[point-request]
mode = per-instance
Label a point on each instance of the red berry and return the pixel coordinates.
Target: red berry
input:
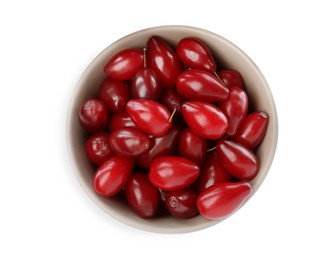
(114, 94)
(195, 54)
(222, 199)
(231, 78)
(146, 84)
(125, 64)
(142, 196)
(252, 130)
(182, 203)
(93, 115)
(120, 120)
(192, 146)
(98, 148)
(235, 108)
(112, 175)
(129, 141)
(173, 173)
(173, 101)
(162, 58)
(200, 85)
(160, 146)
(205, 119)
(212, 172)
(149, 116)
(238, 160)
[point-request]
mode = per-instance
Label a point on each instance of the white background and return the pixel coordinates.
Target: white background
(44, 48)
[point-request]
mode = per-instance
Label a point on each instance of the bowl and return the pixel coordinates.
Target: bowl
(230, 56)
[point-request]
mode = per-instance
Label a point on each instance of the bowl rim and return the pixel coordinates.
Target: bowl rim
(143, 224)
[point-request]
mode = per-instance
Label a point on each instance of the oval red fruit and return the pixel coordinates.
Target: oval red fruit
(205, 119)
(162, 58)
(212, 172)
(192, 146)
(129, 141)
(125, 64)
(231, 78)
(160, 146)
(222, 199)
(114, 93)
(195, 54)
(252, 130)
(172, 100)
(182, 203)
(149, 116)
(112, 175)
(146, 84)
(200, 85)
(235, 108)
(142, 196)
(172, 172)
(119, 120)
(238, 160)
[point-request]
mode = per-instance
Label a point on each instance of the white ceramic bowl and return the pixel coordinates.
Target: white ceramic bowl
(227, 55)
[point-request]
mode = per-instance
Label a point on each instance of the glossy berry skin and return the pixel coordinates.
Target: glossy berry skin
(192, 146)
(235, 108)
(149, 116)
(125, 64)
(142, 196)
(97, 148)
(173, 173)
(162, 58)
(182, 203)
(172, 100)
(112, 175)
(238, 160)
(222, 199)
(160, 146)
(212, 172)
(129, 141)
(252, 130)
(204, 119)
(195, 54)
(200, 85)
(93, 115)
(162, 211)
(231, 78)
(146, 84)
(114, 93)
(120, 120)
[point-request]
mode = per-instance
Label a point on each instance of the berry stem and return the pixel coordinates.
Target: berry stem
(144, 55)
(211, 149)
(217, 76)
(172, 115)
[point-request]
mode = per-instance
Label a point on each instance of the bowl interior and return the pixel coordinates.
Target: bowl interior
(227, 56)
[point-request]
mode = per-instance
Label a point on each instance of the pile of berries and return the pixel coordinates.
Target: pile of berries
(170, 133)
